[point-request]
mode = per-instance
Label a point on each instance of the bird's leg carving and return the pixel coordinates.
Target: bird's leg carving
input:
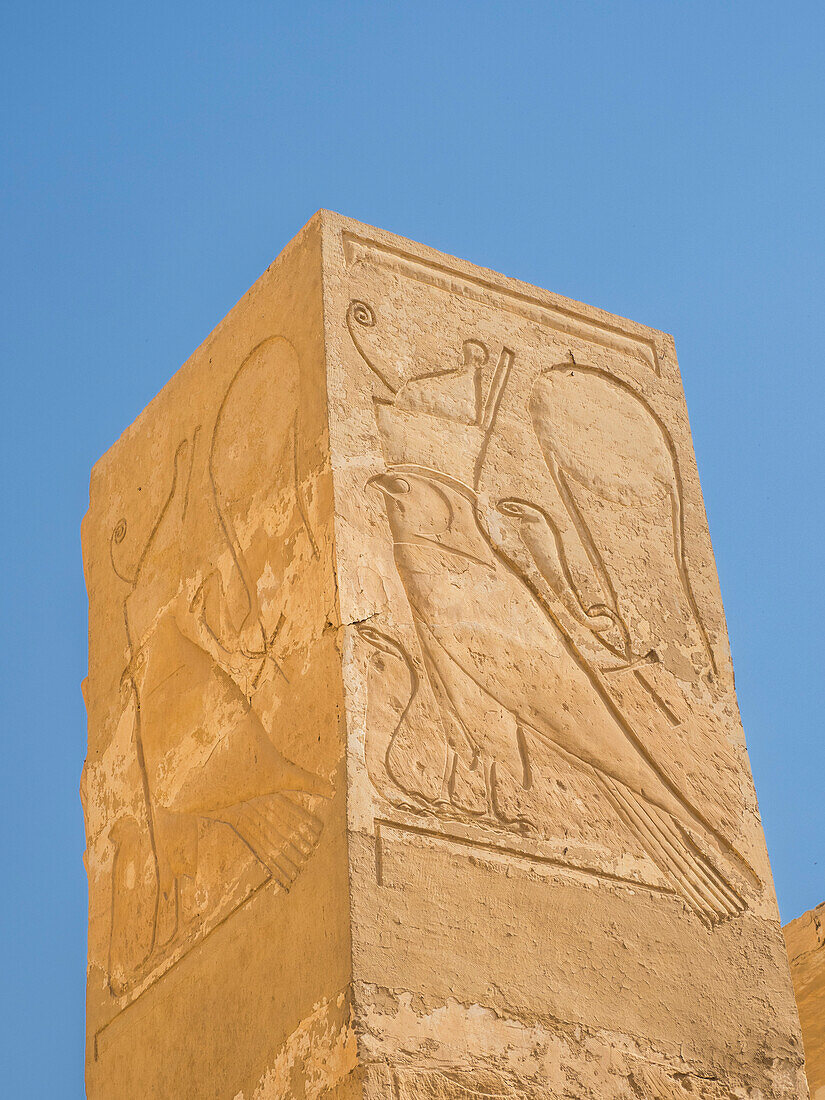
(445, 795)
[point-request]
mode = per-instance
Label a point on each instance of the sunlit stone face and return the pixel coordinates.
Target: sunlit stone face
(415, 767)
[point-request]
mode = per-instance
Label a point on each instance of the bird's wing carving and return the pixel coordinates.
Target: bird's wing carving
(614, 475)
(527, 664)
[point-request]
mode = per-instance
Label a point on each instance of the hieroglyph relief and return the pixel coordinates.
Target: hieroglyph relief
(554, 618)
(205, 613)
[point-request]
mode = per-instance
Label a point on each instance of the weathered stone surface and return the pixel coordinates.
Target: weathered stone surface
(805, 939)
(415, 767)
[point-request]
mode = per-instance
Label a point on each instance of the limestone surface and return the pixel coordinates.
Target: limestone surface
(805, 939)
(415, 768)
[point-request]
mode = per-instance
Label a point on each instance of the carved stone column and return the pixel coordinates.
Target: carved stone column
(805, 940)
(415, 768)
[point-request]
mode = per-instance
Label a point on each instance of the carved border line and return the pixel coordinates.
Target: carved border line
(469, 836)
(557, 317)
(169, 964)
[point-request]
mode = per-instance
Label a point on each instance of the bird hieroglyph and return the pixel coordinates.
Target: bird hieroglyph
(202, 644)
(554, 621)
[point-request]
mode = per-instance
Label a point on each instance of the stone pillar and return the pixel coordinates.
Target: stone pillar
(805, 940)
(415, 768)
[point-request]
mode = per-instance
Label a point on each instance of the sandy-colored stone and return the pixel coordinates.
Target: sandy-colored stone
(805, 940)
(415, 768)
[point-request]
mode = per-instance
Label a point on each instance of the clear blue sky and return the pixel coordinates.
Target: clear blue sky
(663, 160)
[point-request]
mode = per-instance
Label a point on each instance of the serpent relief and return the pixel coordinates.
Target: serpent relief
(552, 621)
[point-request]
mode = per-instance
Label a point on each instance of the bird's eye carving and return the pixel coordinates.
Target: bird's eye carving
(119, 532)
(511, 508)
(397, 486)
